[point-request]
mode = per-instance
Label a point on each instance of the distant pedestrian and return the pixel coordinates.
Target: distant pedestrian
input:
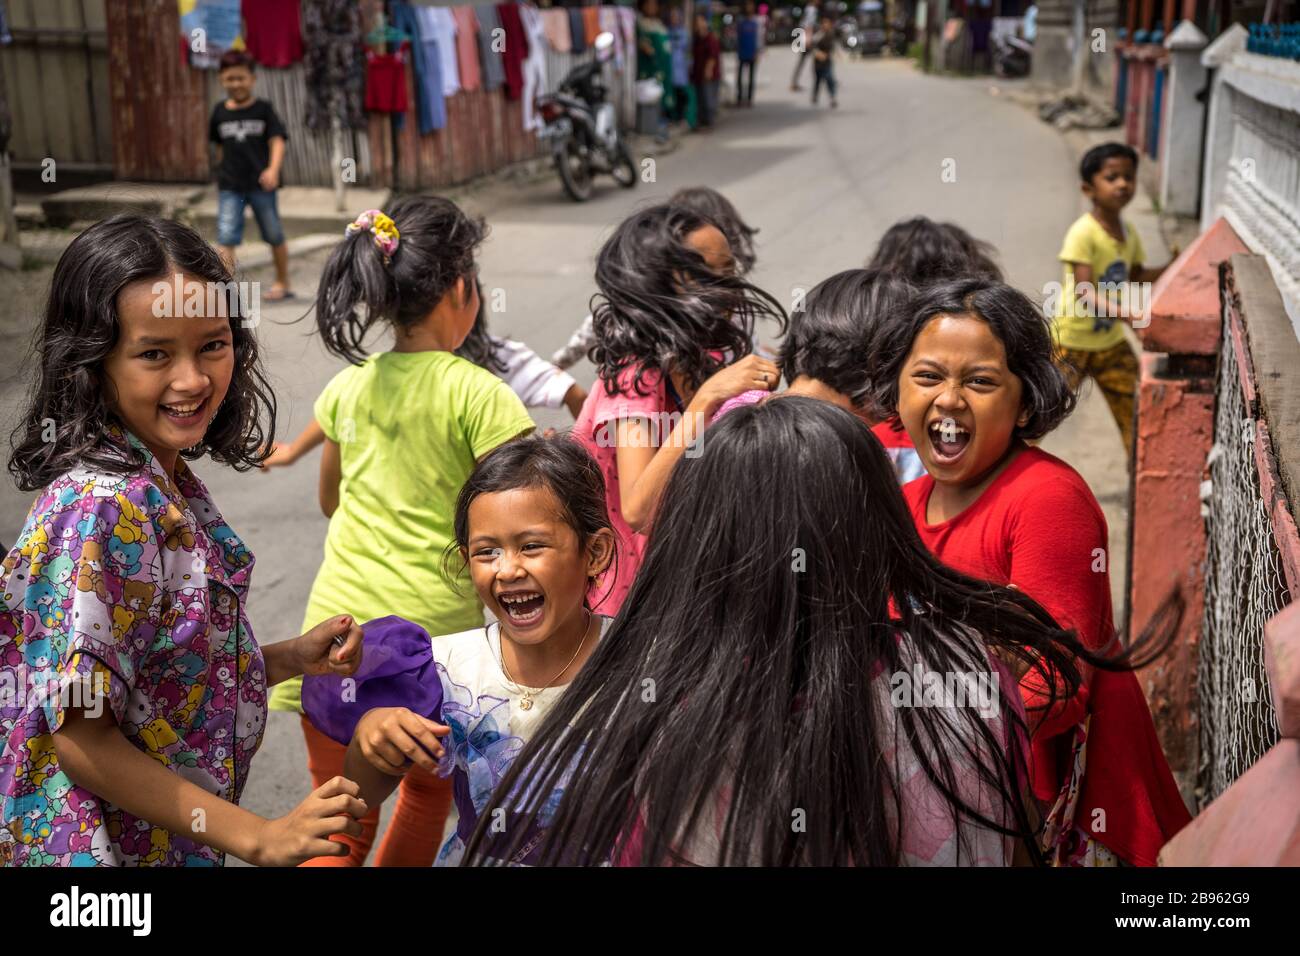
(251, 140)
(706, 72)
(748, 41)
(679, 45)
(824, 60)
(807, 27)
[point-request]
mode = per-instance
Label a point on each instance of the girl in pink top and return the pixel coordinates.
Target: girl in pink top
(794, 679)
(674, 325)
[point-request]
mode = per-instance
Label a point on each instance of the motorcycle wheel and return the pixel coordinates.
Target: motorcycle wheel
(575, 171)
(624, 171)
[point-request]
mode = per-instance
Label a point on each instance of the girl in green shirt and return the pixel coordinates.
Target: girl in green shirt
(403, 430)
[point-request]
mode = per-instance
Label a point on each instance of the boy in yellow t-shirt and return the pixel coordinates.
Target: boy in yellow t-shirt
(1103, 259)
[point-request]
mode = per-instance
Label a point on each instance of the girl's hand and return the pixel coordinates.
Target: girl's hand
(281, 455)
(751, 372)
(318, 651)
(394, 738)
(304, 832)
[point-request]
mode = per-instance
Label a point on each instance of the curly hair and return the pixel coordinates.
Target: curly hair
(831, 338)
(661, 308)
(79, 329)
(924, 251)
(1019, 325)
(436, 248)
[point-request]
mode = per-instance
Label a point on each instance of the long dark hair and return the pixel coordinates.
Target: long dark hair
(758, 621)
(1024, 331)
(922, 251)
(436, 247)
(661, 308)
(80, 328)
(557, 463)
(831, 339)
(718, 209)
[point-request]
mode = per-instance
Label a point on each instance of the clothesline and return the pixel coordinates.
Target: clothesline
(484, 46)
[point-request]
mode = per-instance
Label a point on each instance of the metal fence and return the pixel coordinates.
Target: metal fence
(1244, 580)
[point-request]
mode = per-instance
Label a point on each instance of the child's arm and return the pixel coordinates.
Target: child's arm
(388, 741)
(1086, 294)
(95, 755)
(282, 454)
(270, 177)
(316, 652)
(536, 381)
(331, 473)
(578, 345)
(643, 470)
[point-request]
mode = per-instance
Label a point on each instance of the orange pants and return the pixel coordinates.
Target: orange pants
(414, 834)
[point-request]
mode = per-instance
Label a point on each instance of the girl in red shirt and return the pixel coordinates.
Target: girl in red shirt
(968, 371)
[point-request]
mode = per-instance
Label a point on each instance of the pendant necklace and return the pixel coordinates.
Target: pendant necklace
(526, 694)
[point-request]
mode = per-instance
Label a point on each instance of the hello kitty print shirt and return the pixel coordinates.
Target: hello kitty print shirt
(133, 586)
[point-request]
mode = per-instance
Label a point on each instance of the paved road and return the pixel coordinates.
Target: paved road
(821, 186)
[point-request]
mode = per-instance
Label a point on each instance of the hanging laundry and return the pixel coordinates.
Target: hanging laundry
(515, 50)
(577, 30)
(489, 48)
(335, 66)
(556, 22)
(386, 80)
(609, 23)
(444, 24)
(591, 23)
(467, 47)
(431, 104)
(208, 29)
(273, 31)
(534, 66)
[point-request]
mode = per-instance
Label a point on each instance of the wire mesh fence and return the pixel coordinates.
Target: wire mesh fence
(1244, 587)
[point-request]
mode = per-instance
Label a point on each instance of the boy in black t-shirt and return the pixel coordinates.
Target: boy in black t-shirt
(251, 141)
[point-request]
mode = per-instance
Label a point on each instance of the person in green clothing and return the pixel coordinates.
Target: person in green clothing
(403, 430)
(654, 57)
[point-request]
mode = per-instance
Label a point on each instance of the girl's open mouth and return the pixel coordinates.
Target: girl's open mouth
(948, 440)
(185, 414)
(523, 608)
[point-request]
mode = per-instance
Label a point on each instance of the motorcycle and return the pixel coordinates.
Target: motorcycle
(582, 128)
(1012, 56)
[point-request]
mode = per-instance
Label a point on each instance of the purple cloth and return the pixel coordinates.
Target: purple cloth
(397, 670)
(751, 397)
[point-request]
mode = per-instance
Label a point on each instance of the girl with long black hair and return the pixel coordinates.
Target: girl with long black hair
(793, 678)
(674, 325)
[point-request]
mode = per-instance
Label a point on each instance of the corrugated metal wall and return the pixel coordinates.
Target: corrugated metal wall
(160, 105)
(56, 72)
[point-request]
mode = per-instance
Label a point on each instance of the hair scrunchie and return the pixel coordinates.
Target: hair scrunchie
(383, 228)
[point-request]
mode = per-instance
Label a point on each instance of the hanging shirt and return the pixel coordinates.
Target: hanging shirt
(438, 24)
(515, 51)
(272, 31)
(534, 67)
(556, 22)
(386, 81)
(432, 107)
(609, 23)
(577, 31)
(489, 22)
(467, 47)
(590, 23)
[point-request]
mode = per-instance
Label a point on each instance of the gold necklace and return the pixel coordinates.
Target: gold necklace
(526, 694)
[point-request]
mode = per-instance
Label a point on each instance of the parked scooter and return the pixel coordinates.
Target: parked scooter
(582, 127)
(1012, 56)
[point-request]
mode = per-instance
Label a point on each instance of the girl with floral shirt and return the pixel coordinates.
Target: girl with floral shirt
(132, 691)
